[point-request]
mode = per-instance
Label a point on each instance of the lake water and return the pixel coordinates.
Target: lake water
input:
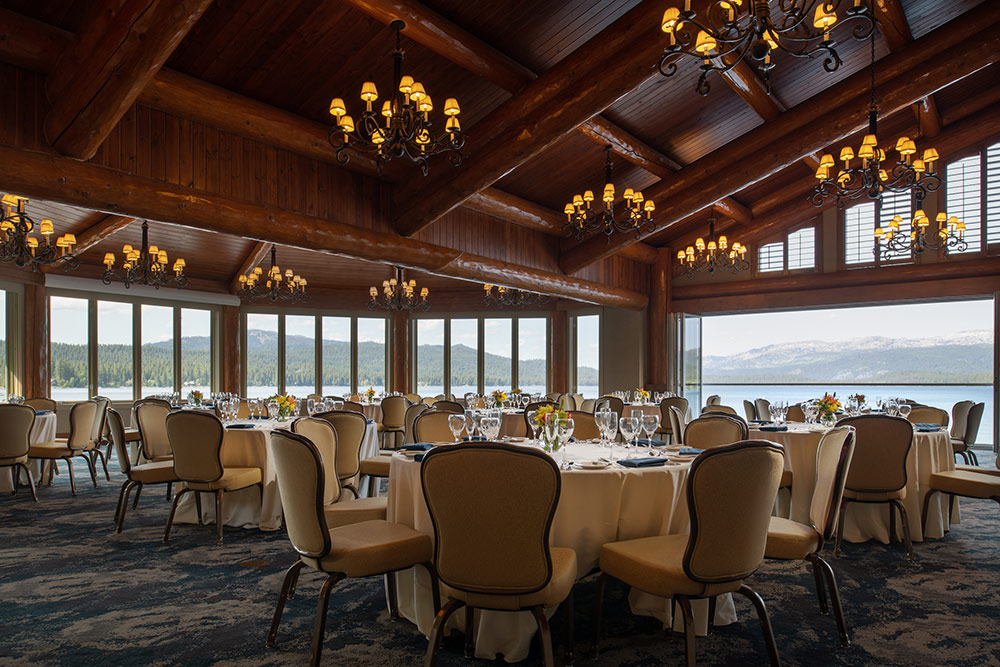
(943, 397)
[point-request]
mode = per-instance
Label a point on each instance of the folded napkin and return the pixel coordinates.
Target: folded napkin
(474, 438)
(761, 421)
(690, 451)
(370, 421)
(652, 442)
(417, 447)
(930, 428)
(240, 426)
(647, 462)
(772, 428)
(420, 456)
(42, 412)
(934, 427)
(261, 417)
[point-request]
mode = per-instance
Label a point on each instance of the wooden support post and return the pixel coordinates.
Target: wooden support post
(36, 341)
(658, 338)
(399, 329)
(231, 344)
(559, 352)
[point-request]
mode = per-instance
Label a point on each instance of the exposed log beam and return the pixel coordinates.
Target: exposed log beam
(971, 105)
(256, 255)
(93, 187)
(99, 231)
(506, 206)
(927, 65)
(106, 67)
(640, 252)
(892, 24)
(928, 117)
(613, 63)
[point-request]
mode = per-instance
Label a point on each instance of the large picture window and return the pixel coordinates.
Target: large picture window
(371, 354)
(464, 357)
(300, 355)
(588, 355)
(157, 334)
(498, 357)
(115, 364)
(430, 357)
(262, 355)
(336, 356)
(69, 349)
(196, 350)
(532, 354)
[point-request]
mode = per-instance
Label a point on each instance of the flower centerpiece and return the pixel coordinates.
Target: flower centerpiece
(195, 397)
(499, 396)
(550, 443)
(641, 395)
(828, 407)
(287, 406)
(370, 394)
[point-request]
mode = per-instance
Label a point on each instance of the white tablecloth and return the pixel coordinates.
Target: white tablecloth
(930, 453)
(595, 507)
(43, 430)
(247, 508)
(373, 411)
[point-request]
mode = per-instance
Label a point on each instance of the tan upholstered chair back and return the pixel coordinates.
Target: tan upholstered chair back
(881, 446)
(412, 413)
(750, 410)
(714, 399)
(454, 407)
(116, 427)
(725, 409)
(322, 434)
(414, 398)
(588, 405)
(584, 425)
(678, 402)
(350, 427)
(928, 415)
(429, 400)
(432, 426)
(731, 492)
(491, 506)
(677, 424)
(81, 424)
(354, 406)
(714, 430)
(100, 419)
(394, 412)
(959, 418)
(577, 401)
(612, 403)
(46, 404)
(762, 406)
(196, 441)
(152, 421)
(553, 396)
(301, 483)
(478, 403)
(972, 423)
(795, 413)
(567, 402)
(159, 401)
(833, 459)
(15, 429)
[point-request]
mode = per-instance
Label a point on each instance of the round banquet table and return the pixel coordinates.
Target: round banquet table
(248, 508)
(930, 453)
(43, 430)
(373, 411)
(595, 507)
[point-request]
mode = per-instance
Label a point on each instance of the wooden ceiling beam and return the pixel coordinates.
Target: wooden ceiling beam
(954, 51)
(512, 208)
(256, 255)
(108, 64)
(100, 231)
(896, 31)
(93, 187)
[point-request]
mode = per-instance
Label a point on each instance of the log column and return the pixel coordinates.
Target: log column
(659, 306)
(559, 352)
(36, 336)
(399, 330)
(232, 357)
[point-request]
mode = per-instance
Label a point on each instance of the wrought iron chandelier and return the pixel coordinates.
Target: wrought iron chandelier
(407, 131)
(147, 265)
(712, 256)
(726, 34)
(273, 287)
(582, 218)
(945, 233)
(397, 294)
(869, 173)
(513, 298)
(17, 244)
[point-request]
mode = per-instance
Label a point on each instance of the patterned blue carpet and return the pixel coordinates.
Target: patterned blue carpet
(75, 593)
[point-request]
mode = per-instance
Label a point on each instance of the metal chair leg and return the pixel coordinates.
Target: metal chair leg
(906, 529)
(546, 635)
(291, 574)
(126, 490)
(689, 639)
(170, 517)
(197, 505)
(320, 625)
(818, 577)
(390, 590)
(470, 631)
(765, 623)
(838, 610)
(138, 491)
(435, 586)
(434, 641)
(598, 608)
(104, 462)
(926, 509)
(218, 520)
(121, 496)
(31, 480)
(840, 527)
(72, 478)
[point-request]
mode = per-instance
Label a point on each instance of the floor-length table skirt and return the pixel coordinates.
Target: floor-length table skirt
(930, 453)
(43, 430)
(253, 507)
(595, 507)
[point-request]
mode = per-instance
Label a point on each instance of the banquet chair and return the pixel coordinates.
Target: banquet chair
(966, 482)
(553, 396)
(612, 403)
(429, 400)
(730, 493)
(479, 534)
(160, 472)
(750, 410)
(354, 406)
(791, 540)
(928, 415)
(412, 413)
(160, 401)
(878, 470)
(714, 399)
(714, 430)
(393, 420)
(959, 418)
(534, 407)
(16, 422)
(351, 428)
(725, 409)
(677, 425)
(584, 425)
(414, 398)
(97, 429)
(795, 413)
(339, 512)
(78, 444)
(151, 417)
(666, 427)
(762, 407)
(196, 441)
(432, 426)
(478, 403)
(588, 405)
(363, 549)
(40, 403)
(353, 397)
(577, 400)
(566, 402)
(963, 444)
(453, 407)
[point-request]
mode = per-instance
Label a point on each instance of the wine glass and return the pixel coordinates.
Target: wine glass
(490, 427)
(904, 410)
(612, 429)
(311, 406)
(629, 426)
(456, 423)
(650, 422)
(566, 427)
(525, 400)
(532, 414)
(272, 409)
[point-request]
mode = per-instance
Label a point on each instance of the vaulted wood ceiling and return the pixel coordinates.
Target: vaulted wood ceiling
(294, 55)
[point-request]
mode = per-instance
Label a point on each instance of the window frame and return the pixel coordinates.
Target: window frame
(876, 260)
(816, 224)
(985, 249)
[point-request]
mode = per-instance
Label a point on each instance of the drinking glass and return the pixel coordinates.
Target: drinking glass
(311, 406)
(612, 426)
(891, 408)
(628, 426)
(272, 409)
(811, 413)
(490, 427)
(904, 410)
(533, 424)
(650, 422)
(456, 423)
(566, 428)
(525, 400)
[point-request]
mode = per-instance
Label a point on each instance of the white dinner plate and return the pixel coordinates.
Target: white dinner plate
(591, 465)
(516, 439)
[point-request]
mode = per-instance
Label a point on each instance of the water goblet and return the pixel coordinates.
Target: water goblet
(566, 427)
(490, 426)
(456, 423)
(629, 426)
(532, 415)
(904, 410)
(650, 422)
(612, 426)
(272, 409)
(311, 406)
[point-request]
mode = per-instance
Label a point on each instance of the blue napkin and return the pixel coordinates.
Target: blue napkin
(240, 426)
(772, 428)
(929, 428)
(934, 427)
(690, 451)
(261, 417)
(648, 462)
(417, 447)
(42, 412)
(370, 421)
(474, 438)
(419, 457)
(652, 442)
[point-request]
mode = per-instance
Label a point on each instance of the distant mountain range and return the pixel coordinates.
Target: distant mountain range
(964, 358)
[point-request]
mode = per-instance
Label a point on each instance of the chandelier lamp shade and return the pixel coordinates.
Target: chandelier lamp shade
(945, 233)
(501, 297)
(20, 246)
(634, 214)
(146, 265)
(398, 294)
(729, 32)
(402, 126)
(715, 255)
(273, 286)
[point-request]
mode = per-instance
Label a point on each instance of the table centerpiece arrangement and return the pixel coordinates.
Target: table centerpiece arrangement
(827, 408)
(285, 406)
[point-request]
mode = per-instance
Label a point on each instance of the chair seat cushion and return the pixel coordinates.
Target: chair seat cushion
(11, 461)
(786, 479)
(958, 445)
(373, 547)
(977, 469)
(132, 435)
(376, 466)
(231, 480)
(655, 565)
(49, 450)
(346, 512)
(966, 483)
(154, 473)
(875, 496)
(790, 540)
(563, 577)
